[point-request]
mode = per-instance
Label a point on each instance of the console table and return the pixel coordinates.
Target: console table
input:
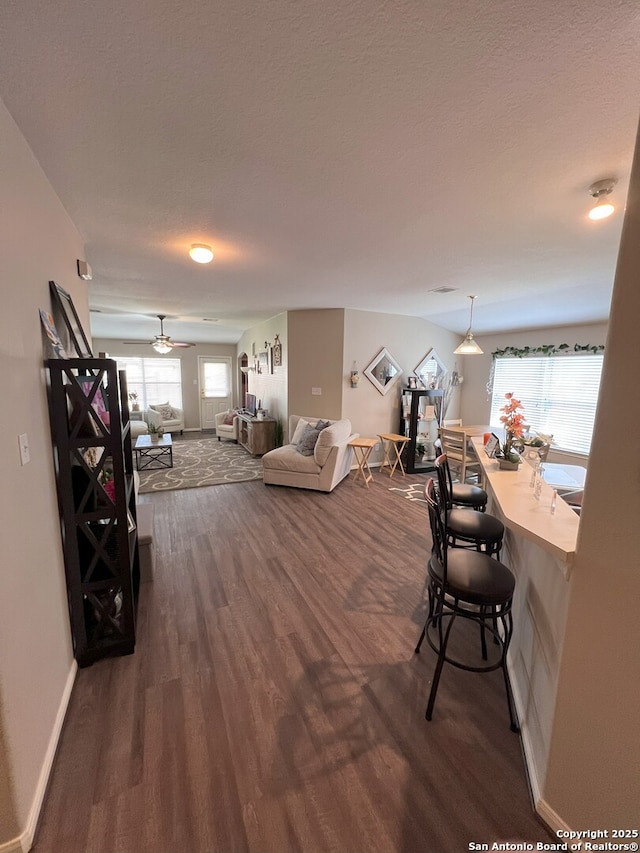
(257, 437)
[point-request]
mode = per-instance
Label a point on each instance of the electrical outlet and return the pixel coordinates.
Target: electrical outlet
(23, 442)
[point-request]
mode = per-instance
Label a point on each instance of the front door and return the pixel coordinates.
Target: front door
(215, 388)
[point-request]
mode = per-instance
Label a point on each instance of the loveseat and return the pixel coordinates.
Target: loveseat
(169, 417)
(227, 425)
(328, 463)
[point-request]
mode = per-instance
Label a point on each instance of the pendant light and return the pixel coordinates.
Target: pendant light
(468, 345)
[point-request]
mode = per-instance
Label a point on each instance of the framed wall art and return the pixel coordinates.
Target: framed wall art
(383, 371)
(64, 309)
(277, 352)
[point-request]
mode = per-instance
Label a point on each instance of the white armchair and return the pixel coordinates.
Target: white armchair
(227, 425)
(169, 417)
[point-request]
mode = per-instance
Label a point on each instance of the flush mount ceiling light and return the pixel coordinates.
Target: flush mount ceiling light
(468, 345)
(601, 191)
(201, 253)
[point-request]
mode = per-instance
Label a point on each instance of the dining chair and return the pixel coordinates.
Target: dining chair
(467, 528)
(461, 460)
(467, 585)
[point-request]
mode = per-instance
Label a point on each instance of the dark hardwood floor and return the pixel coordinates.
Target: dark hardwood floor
(274, 703)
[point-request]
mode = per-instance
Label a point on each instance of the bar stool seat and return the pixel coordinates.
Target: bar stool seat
(466, 494)
(467, 527)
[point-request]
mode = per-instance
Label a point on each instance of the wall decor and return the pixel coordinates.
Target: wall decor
(54, 346)
(430, 370)
(277, 352)
(64, 308)
(383, 371)
(263, 361)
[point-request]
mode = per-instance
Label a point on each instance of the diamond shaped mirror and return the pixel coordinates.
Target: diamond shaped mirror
(430, 370)
(383, 372)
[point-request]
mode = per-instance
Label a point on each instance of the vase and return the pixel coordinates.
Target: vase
(507, 465)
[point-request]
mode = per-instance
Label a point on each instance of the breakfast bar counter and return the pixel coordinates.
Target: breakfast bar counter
(513, 494)
(539, 547)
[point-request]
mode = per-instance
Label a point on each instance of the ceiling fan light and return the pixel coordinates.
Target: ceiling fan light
(201, 253)
(162, 347)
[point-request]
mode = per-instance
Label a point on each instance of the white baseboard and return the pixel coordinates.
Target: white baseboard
(24, 842)
(551, 818)
(541, 807)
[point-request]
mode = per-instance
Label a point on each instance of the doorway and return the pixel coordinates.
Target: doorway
(214, 376)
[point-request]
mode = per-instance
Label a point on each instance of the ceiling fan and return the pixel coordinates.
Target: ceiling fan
(162, 343)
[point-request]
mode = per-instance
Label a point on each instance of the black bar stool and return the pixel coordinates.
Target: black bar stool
(467, 528)
(469, 585)
(465, 494)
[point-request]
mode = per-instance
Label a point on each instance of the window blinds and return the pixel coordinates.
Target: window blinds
(559, 395)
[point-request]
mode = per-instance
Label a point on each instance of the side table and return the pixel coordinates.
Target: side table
(392, 441)
(362, 448)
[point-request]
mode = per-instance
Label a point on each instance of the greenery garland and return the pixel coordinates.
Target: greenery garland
(546, 349)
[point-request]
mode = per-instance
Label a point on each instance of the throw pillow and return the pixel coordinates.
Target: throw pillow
(307, 443)
(229, 419)
(166, 412)
(323, 425)
(300, 427)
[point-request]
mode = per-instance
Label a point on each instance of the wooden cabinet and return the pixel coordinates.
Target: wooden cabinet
(414, 425)
(96, 497)
(258, 437)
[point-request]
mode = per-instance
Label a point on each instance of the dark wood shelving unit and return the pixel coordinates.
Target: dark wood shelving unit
(89, 414)
(409, 426)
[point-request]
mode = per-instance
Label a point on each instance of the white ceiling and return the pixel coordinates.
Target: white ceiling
(343, 153)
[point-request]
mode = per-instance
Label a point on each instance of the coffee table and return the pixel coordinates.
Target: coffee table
(154, 453)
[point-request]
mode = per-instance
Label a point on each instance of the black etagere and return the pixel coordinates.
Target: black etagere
(419, 399)
(93, 462)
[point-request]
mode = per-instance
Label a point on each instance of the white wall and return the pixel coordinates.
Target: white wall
(408, 339)
(270, 388)
(593, 776)
(38, 242)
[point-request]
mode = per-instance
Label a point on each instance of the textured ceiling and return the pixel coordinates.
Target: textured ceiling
(335, 154)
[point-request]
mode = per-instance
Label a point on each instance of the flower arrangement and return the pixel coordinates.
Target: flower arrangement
(513, 423)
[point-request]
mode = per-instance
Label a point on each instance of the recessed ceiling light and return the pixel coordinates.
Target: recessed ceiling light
(210, 320)
(201, 253)
(601, 191)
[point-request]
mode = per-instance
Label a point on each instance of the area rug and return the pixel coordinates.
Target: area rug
(202, 462)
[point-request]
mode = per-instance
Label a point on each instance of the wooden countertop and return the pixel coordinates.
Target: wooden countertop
(524, 514)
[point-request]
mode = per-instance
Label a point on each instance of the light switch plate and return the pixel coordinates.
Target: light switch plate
(316, 392)
(23, 442)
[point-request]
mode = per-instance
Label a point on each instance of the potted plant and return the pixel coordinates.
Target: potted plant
(513, 423)
(133, 396)
(155, 432)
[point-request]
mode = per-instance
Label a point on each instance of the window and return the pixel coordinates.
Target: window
(216, 378)
(156, 380)
(559, 395)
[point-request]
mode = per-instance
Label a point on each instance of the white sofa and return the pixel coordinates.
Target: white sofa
(224, 430)
(169, 417)
(329, 463)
